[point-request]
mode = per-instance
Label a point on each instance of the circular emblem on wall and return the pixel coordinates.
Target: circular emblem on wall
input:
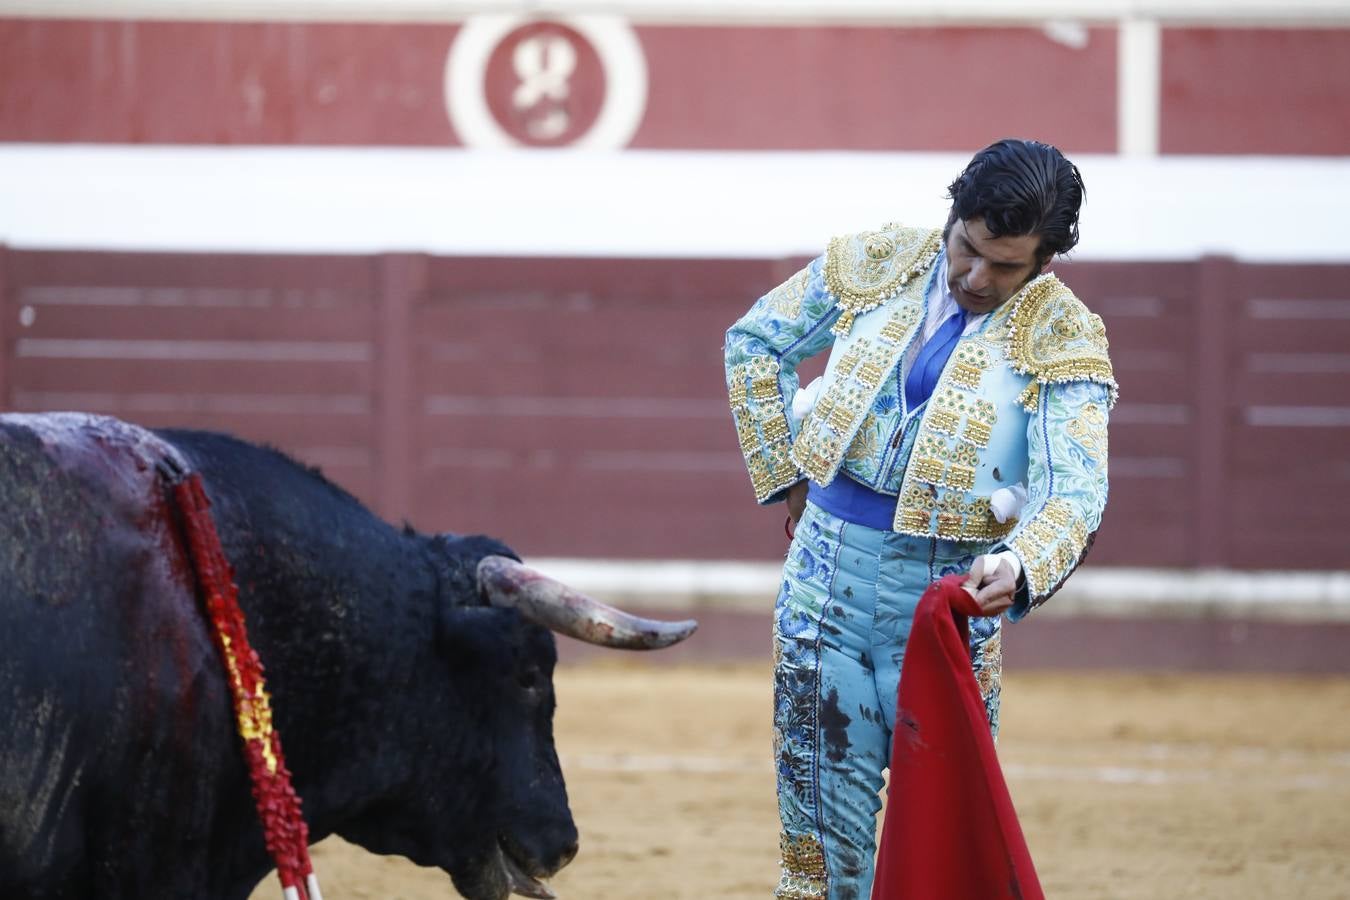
(569, 81)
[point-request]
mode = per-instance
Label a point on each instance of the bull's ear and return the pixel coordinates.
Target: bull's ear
(475, 546)
(474, 635)
(456, 558)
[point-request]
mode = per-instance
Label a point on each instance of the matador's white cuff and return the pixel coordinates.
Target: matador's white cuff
(991, 561)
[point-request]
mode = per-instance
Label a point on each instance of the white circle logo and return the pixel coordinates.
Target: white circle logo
(569, 81)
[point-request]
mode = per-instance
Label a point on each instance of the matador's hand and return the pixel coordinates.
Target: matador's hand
(993, 590)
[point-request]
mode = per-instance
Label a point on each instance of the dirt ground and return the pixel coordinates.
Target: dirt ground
(1128, 786)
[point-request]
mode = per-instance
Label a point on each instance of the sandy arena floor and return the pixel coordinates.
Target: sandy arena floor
(1128, 786)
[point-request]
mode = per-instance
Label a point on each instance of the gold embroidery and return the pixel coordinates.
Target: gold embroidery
(864, 446)
(783, 469)
(862, 271)
(958, 519)
(803, 875)
(762, 367)
(931, 445)
(764, 389)
(976, 433)
(760, 478)
(954, 400)
(786, 299)
(964, 454)
(816, 452)
(1050, 545)
(928, 469)
(871, 374)
(748, 437)
(1030, 398)
(1054, 338)
(857, 374)
(736, 389)
(771, 409)
(991, 666)
(915, 521)
(760, 408)
(849, 361)
(943, 421)
(899, 324)
(841, 416)
(965, 375)
(960, 477)
(971, 361)
(1089, 429)
(917, 497)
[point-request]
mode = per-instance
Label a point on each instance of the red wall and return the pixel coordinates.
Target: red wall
(577, 408)
(1224, 90)
(1249, 90)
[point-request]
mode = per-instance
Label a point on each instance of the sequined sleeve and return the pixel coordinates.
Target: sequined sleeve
(1066, 486)
(762, 352)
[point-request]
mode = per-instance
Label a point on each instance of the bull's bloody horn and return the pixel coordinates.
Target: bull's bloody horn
(559, 608)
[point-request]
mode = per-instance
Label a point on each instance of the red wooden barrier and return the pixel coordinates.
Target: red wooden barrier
(576, 407)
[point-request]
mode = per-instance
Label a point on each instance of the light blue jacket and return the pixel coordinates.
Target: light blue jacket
(1023, 399)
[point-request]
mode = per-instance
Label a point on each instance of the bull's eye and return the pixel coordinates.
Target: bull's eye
(528, 679)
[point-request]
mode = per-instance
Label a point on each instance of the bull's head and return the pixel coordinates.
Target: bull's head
(509, 825)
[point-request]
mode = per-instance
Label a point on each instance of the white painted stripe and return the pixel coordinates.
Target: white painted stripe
(1223, 12)
(233, 351)
(662, 764)
(223, 404)
(1094, 591)
(634, 203)
(1138, 61)
(1298, 416)
(575, 407)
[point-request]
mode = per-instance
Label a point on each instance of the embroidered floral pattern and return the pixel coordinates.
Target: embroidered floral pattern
(1054, 338)
(863, 271)
(786, 299)
(762, 352)
(1066, 495)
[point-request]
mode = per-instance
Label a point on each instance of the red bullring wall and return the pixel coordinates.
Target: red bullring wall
(576, 406)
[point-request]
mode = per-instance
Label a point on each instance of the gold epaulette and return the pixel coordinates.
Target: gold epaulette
(1054, 338)
(864, 270)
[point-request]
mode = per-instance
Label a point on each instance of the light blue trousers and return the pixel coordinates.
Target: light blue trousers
(840, 626)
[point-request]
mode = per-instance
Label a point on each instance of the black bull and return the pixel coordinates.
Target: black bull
(416, 715)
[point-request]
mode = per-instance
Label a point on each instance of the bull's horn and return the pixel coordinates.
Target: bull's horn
(506, 582)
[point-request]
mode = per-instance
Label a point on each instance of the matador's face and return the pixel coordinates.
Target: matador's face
(984, 271)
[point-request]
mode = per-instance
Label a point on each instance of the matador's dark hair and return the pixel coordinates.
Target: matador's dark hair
(1021, 187)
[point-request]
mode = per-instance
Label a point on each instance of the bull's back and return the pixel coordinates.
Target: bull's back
(106, 669)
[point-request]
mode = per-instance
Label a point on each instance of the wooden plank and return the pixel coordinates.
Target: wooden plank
(1318, 332)
(1142, 441)
(570, 433)
(1297, 389)
(1150, 386)
(403, 281)
(130, 376)
(1290, 549)
(284, 281)
(1313, 454)
(1210, 397)
(548, 332)
(75, 321)
(561, 512)
(576, 376)
(280, 430)
(605, 282)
